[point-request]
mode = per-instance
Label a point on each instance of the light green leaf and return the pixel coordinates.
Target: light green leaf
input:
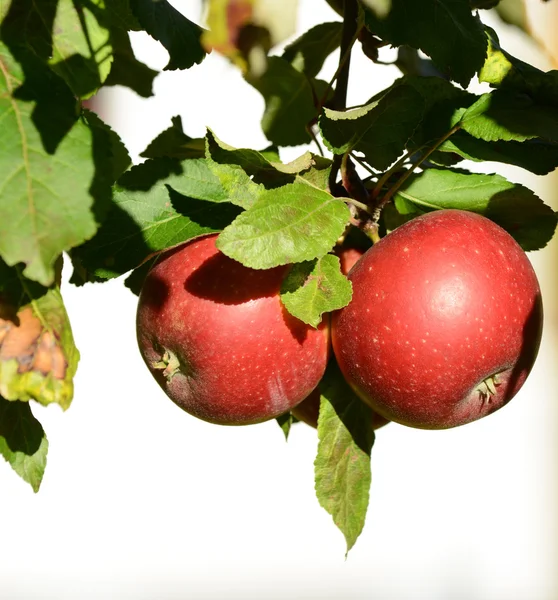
(501, 115)
(82, 51)
(514, 207)
(46, 204)
(23, 442)
(315, 287)
(294, 223)
(342, 465)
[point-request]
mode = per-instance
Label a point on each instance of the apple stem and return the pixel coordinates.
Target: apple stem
(349, 35)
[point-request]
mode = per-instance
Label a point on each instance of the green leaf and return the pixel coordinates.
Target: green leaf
(174, 143)
(237, 186)
(179, 36)
(538, 156)
(289, 103)
(126, 69)
(262, 166)
(285, 422)
(46, 204)
(501, 115)
(82, 52)
(502, 70)
(342, 465)
(308, 53)
(38, 357)
(120, 15)
(445, 30)
(379, 130)
(294, 223)
(315, 287)
(514, 207)
(150, 214)
(23, 442)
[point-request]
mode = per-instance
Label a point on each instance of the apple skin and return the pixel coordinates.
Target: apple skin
(440, 305)
(308, 410)
(241, 357)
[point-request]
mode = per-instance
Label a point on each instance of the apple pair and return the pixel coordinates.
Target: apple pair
(443, 328)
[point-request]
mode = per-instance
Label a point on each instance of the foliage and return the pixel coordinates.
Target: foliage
(67, 187)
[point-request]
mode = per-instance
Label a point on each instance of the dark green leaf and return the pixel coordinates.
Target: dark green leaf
(342, 465)
(379, 130)
(174, 143)
(126, 69)
(23, 442)
(294, 223)
(285, 422)
(307, 54)
(179, 36)
(289, 103)
(150, 215)
(445, 30)
(315, 287)
(514, 207)
(538, 156)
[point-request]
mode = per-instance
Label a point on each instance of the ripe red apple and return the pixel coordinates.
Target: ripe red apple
(309, 409)
(445, 321)
(218, 340)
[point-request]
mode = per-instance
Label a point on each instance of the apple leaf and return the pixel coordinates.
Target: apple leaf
(514, 207)
(38, 357)
(120, 15)
(342, 465)
(150, 213)
(46, 204)
(23, 442)
(174, 143)
(501, 115)
(308, 53)
(289, 103)
(380, 130)
(179, 35)
(315, 287)
(294, 223)
(264, 166)
(236, 183)
(440, 28)
(514, 12)
(126, 69)
(82, 51)
(285, 422)
(538, 156)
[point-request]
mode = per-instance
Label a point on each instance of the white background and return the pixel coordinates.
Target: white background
(142, 501)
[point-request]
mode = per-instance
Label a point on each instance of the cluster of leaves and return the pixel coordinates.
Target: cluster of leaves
(67, 187)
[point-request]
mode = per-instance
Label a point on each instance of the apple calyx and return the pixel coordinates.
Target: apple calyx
(487, 387)
(169, 363)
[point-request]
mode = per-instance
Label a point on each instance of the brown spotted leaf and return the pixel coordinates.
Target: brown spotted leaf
(38, 358)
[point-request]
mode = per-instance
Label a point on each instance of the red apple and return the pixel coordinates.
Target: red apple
(309, 409)
(445, 321)
(218, 340)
